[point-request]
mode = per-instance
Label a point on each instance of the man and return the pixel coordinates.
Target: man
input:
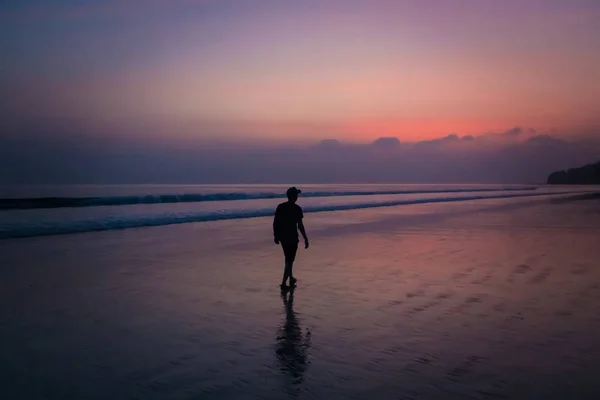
(287, 221)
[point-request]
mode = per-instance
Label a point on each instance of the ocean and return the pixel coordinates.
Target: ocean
(37, 210)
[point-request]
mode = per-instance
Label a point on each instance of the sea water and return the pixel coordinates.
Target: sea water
(30, 210)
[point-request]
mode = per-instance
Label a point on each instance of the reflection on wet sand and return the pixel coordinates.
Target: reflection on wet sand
(292, 344)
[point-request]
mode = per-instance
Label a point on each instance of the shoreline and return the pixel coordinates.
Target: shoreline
(440, 300)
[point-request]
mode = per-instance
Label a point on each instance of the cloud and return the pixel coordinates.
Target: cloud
(387, 143)
(451, 159)
(328, 144)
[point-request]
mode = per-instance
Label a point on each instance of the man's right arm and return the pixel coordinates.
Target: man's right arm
(301, 227)
(303, 232)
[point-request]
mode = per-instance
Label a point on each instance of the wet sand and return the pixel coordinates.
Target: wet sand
(492, 299)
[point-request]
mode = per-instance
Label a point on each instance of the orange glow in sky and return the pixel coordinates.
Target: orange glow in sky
(308, 70)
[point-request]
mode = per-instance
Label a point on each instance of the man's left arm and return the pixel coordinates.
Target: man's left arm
(276, 226)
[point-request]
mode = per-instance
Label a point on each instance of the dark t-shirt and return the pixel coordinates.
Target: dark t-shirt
(285, 224)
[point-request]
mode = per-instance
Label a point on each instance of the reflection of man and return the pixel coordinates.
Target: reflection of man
(287, 221)
(292, 345)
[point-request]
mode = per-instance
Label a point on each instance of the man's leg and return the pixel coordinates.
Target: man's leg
(285, 274)
(293, 248)
(289, 251)
(286, 269)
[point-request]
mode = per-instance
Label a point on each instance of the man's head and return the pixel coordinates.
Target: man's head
(292, 194)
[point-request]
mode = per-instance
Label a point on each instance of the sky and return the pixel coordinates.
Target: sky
(79, 78)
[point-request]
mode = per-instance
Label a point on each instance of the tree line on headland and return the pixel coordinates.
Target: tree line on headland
(587, 175)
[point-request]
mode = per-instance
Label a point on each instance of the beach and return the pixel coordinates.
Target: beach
(476, 299)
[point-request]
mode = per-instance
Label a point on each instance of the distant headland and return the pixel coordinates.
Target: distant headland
(587, 175)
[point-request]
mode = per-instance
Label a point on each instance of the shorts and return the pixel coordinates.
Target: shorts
(289, 250)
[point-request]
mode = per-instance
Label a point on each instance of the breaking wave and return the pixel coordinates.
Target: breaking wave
(60, 202)
(100, 224)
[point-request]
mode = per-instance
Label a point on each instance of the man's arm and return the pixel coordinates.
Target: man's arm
(303, 232)
(276, 227)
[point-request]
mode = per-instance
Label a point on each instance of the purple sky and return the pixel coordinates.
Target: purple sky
(94, 78)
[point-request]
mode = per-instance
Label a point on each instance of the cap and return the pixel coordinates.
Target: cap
(293, 191)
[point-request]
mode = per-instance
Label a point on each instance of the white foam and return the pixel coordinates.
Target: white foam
(31, 229)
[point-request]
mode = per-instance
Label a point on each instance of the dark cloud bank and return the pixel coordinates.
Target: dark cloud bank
(515, 156)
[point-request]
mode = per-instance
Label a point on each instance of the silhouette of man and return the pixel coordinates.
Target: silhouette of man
(292, 346)
(287, 221)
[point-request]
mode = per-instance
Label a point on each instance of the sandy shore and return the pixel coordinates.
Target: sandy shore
(489, 299)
